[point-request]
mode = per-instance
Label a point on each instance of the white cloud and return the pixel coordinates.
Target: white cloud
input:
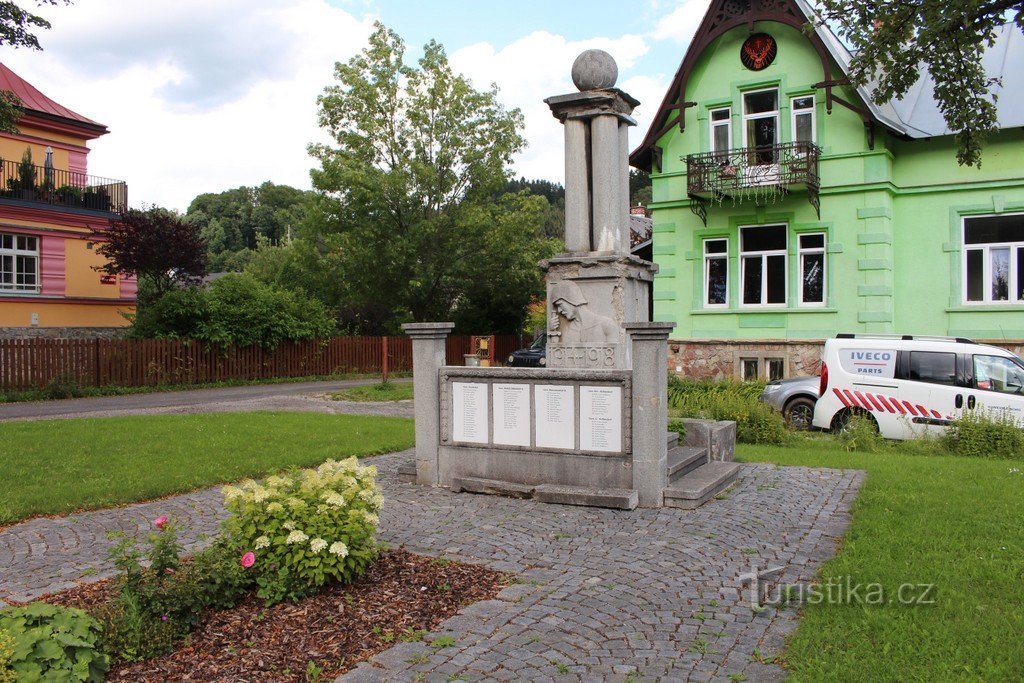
(681, 23)
(538, 66)
(199, 96)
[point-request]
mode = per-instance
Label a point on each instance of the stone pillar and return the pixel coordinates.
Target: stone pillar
(624, 233)
(607, 168)
(649, 350)
(428, 357)
(577, 188)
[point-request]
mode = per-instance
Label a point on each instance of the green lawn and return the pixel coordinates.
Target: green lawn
(386, 391)
(954, 522)
(58, 466)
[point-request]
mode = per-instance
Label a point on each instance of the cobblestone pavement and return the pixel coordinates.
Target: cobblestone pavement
(602, 594)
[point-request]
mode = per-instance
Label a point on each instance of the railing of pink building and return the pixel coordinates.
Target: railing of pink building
(46, 185)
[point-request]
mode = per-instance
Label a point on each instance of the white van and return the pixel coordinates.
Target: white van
(911, 386)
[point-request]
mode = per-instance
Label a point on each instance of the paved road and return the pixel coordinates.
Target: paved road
(606, 595)
(246, 397)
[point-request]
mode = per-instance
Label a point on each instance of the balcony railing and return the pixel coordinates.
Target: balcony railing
(42, 185)
(760, 174)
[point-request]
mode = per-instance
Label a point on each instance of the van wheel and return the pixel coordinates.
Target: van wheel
(799, 413)
(843, 418)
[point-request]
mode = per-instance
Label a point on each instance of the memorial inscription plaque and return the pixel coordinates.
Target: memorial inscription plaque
(469, 412)
(601, 419)
(511, 422)
(555, 407)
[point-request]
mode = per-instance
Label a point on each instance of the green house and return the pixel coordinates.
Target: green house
(787, 206)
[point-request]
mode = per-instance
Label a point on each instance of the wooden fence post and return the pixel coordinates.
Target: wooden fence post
(384, 358)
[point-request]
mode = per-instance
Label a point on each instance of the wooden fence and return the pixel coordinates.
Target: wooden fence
(33, 363)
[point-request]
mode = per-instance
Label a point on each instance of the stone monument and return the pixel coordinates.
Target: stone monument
(591, 428)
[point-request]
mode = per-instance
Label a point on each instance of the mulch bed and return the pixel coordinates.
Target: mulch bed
(400, 595)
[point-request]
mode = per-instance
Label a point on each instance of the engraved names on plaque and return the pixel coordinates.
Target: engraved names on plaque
(555, 408)
(601, 419)
(469, 412)
(511, 414)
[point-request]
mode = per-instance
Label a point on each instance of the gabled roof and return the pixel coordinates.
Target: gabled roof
(915, 116)
(33, 101)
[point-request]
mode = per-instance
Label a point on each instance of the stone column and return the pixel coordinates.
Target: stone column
(577, 188)
(624, 234)
(606, 168)
(649, 349)
(428, 357)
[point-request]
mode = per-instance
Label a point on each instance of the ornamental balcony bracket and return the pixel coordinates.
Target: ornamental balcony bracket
(758, 174)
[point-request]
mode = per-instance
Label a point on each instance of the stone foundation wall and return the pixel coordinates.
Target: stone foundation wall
(722, 358)
(61, 332)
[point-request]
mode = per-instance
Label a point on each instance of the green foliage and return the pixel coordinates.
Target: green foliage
(677, 426)
(981, 434)
(728, 400)
(158, 605)
(307, 527)
(407, 192)
(7, 674)
(64, 385)
(860, 433)
(235, 309)
(53, 643)
(893, 43)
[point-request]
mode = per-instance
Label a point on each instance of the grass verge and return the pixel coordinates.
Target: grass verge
(74, 391)
(59, 466)
(382, 391)
(957, 523)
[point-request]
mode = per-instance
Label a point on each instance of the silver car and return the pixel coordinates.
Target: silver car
(794, 398)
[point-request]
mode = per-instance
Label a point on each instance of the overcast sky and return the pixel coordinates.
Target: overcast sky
(207, 95)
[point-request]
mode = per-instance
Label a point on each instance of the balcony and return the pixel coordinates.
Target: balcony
(758, 174)
(67, 189)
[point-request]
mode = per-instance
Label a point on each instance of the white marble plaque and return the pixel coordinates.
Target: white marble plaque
(469, 412)
(511, 414)
(601, 419)
(555, 407)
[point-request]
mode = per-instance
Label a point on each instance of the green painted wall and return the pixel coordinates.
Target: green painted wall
(892, 215)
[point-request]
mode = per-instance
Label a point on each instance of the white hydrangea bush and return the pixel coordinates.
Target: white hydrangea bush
(306, 528)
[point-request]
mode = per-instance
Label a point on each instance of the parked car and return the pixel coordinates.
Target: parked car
(794, 398)
(909, 386)
(533, 356)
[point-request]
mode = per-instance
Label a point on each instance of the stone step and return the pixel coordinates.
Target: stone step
(683, 459)
(494, 487)
(673, 439)
(619, 499)
(407, 472)
(701, 485)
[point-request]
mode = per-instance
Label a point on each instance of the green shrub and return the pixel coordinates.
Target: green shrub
(64, 385)
(861, 434)
(756, 422)
(306, 528)
(679, 427)
(236, 309)
(156, 606)
(985, 434)
(7, 674)
(53, 643)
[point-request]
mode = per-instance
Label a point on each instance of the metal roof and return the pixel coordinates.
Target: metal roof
(917, 114)
(33, 100)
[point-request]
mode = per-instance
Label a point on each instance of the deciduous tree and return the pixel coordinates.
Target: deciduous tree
(891, 40)
(407, 189)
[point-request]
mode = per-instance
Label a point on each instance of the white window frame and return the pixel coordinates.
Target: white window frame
(14, 253)
(707, 269)
(744, 255)
(727, 122)
(793, 111)
(986, 249)
(760, 115)
(801, 252)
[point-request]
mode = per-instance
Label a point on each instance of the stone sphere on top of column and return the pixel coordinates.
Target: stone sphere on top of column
(594, 70)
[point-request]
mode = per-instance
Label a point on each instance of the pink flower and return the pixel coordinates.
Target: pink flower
(248, 560)
(160, 521)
